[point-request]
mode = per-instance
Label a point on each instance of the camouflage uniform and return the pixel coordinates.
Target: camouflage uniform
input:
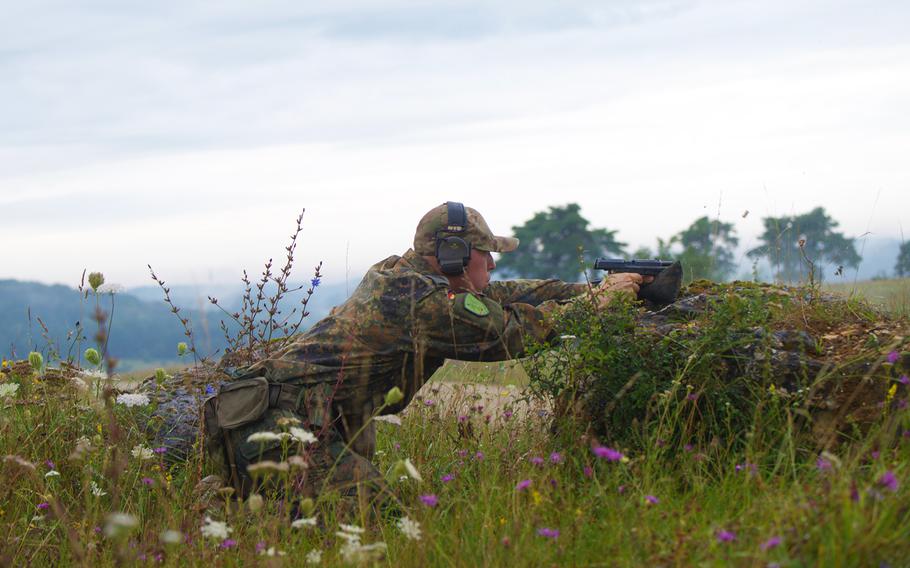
(396, 330)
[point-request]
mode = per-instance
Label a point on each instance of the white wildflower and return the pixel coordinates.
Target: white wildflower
(142, 452)
(93, 375)
(268, 467)
(272, 551)
(348, 536)
(356, 553)
(302, 435)
(8, 390)
(314, 556)
(118, 523)
(52, 473)
(409, 528)
(353, 529)
(132, 399)
(37, 518)
(96, 489)
(171, 536)
(304, 522)
(215, 529)
(263, 437)
(111, 288)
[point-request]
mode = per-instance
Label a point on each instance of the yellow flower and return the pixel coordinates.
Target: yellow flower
(891, 392)
(502, 520)
(536, 496)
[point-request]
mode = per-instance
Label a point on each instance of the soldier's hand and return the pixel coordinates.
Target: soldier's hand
(622, 283)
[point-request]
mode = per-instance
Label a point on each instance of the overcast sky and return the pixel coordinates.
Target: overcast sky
(189, 135)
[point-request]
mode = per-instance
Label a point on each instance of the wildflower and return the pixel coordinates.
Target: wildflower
(229, 543)
(260, 547)
(303, 522)
(447, 478)
(889, 481)
(119, 523)
(548, 532)
(314, 556)
(409, 528)
(302, 436)
(181, 349)
(315, 282)
(95, 280)
(893, 357)
(171, 536)
(429, 402)
(254, 502)
(210, 390)
(263, 437)
(268, 466)
(652, 499)
(750, 467)
(429, 500)
(537, 460)
(608, 454)
(36, 360)
(394, 396)
(357, 553)
(215, 530)
(8, 390)
(555, 457)
(130, 400)
(772, 542)
(142, 452)
(159, 451)
(479, 456)
(535, 495)
(92, 356)
(588, 471)
(822, 464)
(96, 489)
(350, 529)
(621, 489)
(44, 506)
(462, 419)
(404, 468)
(271, 551)
(725, 536)
(507, 414)
(904, 380)
(523, 484)
(52, 473)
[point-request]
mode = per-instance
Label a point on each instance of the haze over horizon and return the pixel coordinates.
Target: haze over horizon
(188, 136)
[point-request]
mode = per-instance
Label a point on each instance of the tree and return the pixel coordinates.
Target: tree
(550, 243)
(708, 249)
(788, 241)
(902, 267)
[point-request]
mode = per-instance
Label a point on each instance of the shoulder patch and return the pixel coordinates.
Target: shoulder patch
(475, 305)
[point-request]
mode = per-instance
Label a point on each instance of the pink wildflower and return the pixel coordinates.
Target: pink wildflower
(229, 543)
(523, 484)
(893, 357)
(588, 471)
(889, 481)
(652, 499)
(772, 542)
(537, 460)
(725, 536)
(608, 454)
(430, 500)
(555, 457)
(548, 532)
(447, 477)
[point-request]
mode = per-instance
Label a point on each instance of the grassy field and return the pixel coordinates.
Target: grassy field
(892, 295)
(500, 484)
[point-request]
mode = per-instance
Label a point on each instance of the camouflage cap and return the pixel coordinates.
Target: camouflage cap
(477, 232)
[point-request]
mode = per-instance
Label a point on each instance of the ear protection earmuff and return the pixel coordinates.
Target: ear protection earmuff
(452, 251)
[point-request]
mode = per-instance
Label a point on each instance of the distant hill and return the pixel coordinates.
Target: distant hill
(144, 331)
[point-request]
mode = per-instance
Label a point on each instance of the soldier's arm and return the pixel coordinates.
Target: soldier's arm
(478, 328)
(533, 292)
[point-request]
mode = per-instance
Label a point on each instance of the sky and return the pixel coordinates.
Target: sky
(189, 135)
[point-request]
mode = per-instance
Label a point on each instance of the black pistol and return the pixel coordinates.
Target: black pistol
(667, 276)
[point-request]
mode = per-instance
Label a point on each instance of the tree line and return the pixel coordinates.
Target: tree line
(560, 243)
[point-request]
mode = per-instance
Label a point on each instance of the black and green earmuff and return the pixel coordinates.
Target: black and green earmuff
(452, 251)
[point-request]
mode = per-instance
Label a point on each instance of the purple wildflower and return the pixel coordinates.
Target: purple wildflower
(229, 543)
(447, 477)
(725, 536)
(462, 419)
(608, 454)
(893, 357)
(429, 402)
(507, 414)
(621, 489)
(209, 390)
(904, 380)
(161, 450)
(49, 464)
(429, 500)
(462, 453)
(692, 396)
(397, 446)
(588, 471)
(555, 457)
(772, 542)
(523, 484)
(548, 532)
(479, 456)
(260, 546)
(750, 467)
(537, 460)
(44, 506)
(652, 499)
(822, 464)
(315, 282)
(688, 447)
(148, 481)
(889, 481)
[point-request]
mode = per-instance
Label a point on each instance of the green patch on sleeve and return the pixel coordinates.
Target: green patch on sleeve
(475, 305)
